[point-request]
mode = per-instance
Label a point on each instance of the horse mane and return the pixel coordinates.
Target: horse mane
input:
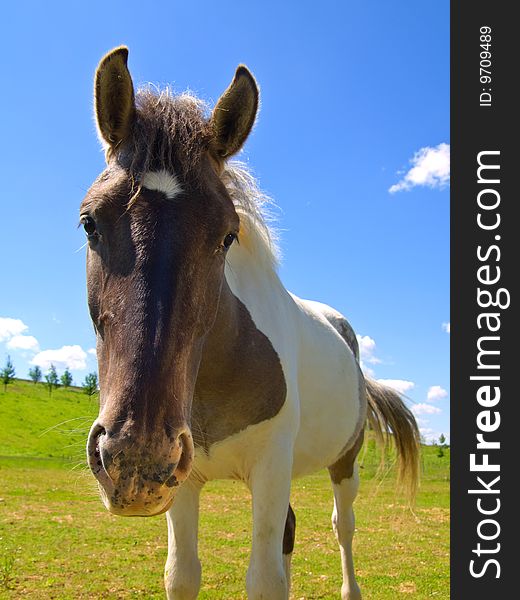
(254, 208)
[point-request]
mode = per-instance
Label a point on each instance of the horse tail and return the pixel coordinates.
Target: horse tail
(390, 418)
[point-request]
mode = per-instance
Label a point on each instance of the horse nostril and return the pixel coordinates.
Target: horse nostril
(95, 457)
(182, 453)
(96, 432)
(94, 452)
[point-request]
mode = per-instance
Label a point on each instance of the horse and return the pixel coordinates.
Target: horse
(208, 367)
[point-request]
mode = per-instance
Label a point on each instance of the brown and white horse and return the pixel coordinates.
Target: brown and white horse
(209, 368)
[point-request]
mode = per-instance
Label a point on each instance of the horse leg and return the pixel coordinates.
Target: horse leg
(288, 544)
(345, 482)
(270, 484)
(182, 572)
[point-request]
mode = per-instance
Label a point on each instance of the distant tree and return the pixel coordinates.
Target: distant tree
(52, 379)
(35, 374)
(66, 378)
(7, 373)
(90, 385)
(442, 440)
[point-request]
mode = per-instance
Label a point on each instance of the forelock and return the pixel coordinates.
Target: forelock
(171, 132)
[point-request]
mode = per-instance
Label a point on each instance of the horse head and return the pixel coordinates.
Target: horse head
(159, 222)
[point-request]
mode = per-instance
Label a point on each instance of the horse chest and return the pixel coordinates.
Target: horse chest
(219, 416)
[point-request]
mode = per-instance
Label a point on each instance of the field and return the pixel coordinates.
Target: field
(57, 541)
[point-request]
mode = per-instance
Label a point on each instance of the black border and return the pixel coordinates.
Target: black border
(476, 128)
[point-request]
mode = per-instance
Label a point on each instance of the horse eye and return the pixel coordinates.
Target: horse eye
(89, 225)
(229, 239)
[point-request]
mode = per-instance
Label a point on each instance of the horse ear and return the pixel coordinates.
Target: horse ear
(114, 97)
(234, 114)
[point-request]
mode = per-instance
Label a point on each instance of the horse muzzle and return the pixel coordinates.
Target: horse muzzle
(138, 477)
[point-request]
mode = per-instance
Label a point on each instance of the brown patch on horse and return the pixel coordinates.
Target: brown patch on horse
(289, 532)
(241, 386)
(343, 468)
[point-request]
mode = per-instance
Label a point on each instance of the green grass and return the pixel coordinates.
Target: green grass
(57, 541)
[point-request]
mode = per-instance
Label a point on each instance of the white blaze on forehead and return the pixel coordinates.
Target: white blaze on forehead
(162, 181)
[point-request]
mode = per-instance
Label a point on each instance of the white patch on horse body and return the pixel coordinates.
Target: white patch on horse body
(322, 377)
(162, 181)
(330, 408)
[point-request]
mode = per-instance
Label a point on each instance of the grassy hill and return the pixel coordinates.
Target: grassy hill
(36, 424)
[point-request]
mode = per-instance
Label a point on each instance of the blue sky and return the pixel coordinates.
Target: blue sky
(351, 94)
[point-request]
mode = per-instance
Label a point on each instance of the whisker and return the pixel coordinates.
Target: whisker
(85, 418)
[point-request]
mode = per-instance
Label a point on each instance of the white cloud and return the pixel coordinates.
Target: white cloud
(430, 167)
(399, 385)
(425, 409)
(92, 351)
(367, 347)
(436, 392)
(446, 327)
(23, 342)
(73, 357)
(11, 327)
